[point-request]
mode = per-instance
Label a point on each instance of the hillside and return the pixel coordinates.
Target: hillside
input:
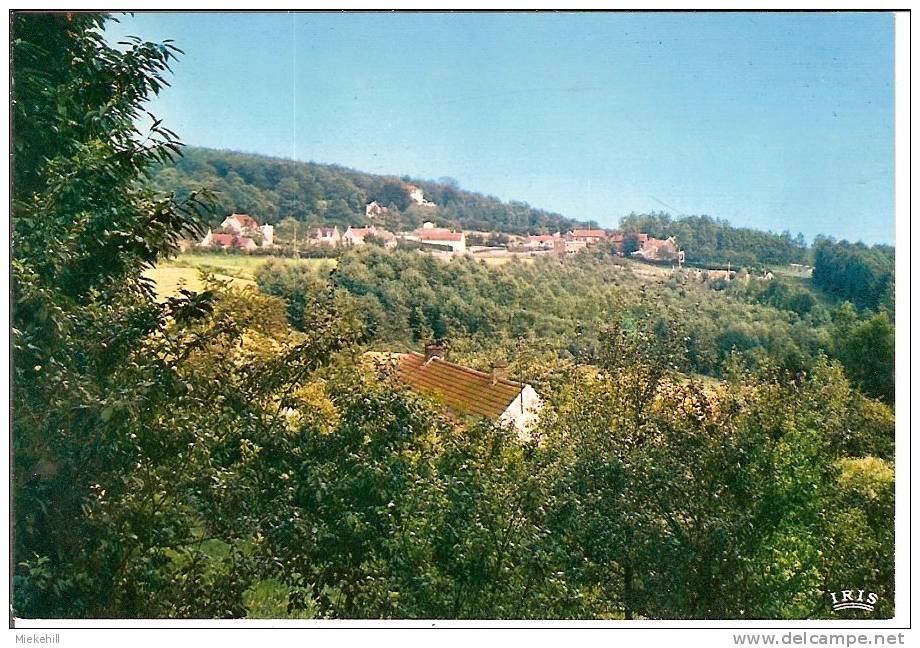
(713, 242)
(273, 189)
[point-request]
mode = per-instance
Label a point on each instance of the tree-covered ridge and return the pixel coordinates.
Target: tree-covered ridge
(857, 272)
(273, 189)
(716, 243)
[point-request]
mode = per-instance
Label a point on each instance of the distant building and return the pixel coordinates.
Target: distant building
(571, 246)
(541, 242)
(375, 210)
(268, 235)
(588, 236)
(238, 232)
(716, 275)
(653, 249)
(228, 241)
(417, 196)
(327, 236)
(456, 241)
(356, 236)
(468, 393)
(240, 223)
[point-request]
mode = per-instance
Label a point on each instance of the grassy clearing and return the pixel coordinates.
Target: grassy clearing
(170, 279)
(238, 269)
(240, 265)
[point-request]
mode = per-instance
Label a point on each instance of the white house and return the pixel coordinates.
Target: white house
(268, 235)
(417, 196)
(244, 227)
(327, 236)
(356, 236)
(469, 393)
(456, 241)
(375, 210)
(240, 223)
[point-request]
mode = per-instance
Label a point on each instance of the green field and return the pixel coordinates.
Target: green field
(240, 265)
(185, 270)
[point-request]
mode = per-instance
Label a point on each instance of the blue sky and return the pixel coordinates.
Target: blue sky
(774, 121)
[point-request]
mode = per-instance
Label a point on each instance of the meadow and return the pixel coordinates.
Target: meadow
(184, 271)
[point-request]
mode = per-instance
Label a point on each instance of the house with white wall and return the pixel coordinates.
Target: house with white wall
(467, 393)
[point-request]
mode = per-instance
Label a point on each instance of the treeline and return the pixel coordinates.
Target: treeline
(716, 243)
(275, 189)
(856, 272)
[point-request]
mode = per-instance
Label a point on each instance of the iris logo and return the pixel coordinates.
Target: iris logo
(853, 600)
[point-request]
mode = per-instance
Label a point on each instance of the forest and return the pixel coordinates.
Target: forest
(709, 449)
(274, 189)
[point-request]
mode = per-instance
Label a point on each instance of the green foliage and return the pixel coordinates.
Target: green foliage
(715, 243)
(853, 271)
(124, 406)
(274, 189)
(866, 349)
(559, 306)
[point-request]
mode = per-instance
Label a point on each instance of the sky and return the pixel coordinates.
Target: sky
(778, 121)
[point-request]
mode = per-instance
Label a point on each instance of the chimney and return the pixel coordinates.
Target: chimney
(499, 371)
(434, 350)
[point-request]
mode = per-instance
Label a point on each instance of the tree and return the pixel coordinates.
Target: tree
(630, 244)
(394, 193)
(866, 350)
(129, 413)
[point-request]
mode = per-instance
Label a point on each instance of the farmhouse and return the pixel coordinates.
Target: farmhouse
(588, 236)
(417, 196)
(375, 210)
(246, 225)
(430, 234)
(654, 249)
(468, 393)
(237, 231)
(541, 242)
(327, 236)
(356, 236)
(571, 246)
(227, 241)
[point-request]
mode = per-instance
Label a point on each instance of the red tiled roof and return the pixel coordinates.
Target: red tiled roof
(542, 237)
(656, 243)
(360, 232)
(232, 240)
(438, 235)
(223, 239)
(589, 233)
(462, 390)
(244, 220)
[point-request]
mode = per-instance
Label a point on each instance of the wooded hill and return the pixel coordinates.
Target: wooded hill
(273, 189)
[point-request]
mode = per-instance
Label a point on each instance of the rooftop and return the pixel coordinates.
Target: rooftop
(589, 233)
(439, 235)
(244, 220)
(462, 390)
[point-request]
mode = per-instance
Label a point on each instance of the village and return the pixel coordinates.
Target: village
(243, 233)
